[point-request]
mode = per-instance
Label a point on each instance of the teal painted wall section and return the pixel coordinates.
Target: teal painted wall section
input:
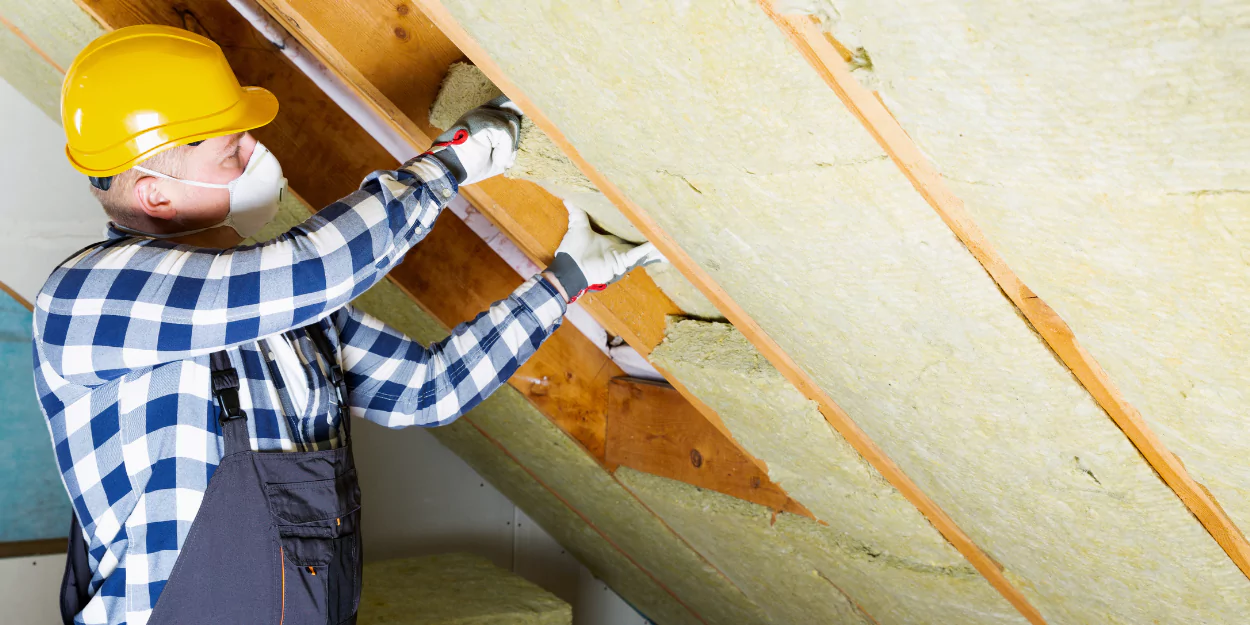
(33, 503)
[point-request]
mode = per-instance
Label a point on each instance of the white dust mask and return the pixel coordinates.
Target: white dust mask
(254, 195)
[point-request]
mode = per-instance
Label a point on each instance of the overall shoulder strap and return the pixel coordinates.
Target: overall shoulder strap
(324, 347)
(226, 391)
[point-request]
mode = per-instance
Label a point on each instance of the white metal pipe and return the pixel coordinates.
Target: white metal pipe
(402, 149)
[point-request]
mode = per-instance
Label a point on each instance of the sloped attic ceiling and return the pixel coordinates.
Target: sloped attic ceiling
(1100, 150)
(710, 121)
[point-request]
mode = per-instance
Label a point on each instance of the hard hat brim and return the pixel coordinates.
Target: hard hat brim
(256, 108)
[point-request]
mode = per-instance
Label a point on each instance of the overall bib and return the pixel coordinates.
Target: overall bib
(277, 535)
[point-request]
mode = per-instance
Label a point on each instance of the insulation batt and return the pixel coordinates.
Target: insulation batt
(702, 113)
(454, 589)
(1104, 148)
(541, 162)
(878, 548)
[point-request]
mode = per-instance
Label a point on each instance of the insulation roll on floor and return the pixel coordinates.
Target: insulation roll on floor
(454, 589)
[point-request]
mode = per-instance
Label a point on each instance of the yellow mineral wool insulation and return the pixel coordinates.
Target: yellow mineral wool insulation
(538, 159)
(1104, 148)
(880, 537)
(704, 115)
(541, 162)
(685, 295)
(454, 589)
(34, 61)
(740, 537)
(814, 572)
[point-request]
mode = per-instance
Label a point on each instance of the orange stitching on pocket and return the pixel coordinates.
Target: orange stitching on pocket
(282, 567)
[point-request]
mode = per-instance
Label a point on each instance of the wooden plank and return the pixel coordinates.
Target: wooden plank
(822, 52)
(833, 413)
(42, 547)
(17, 298)
(652, 428)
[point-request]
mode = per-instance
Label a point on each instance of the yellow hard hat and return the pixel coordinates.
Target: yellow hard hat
(141, 90)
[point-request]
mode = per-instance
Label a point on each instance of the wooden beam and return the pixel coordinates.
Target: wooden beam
(4, 288)
(822, 52)
(652, 428)
(398, 70)
(833, 413)
(42, 547)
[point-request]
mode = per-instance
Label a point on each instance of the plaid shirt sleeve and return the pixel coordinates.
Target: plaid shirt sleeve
(142, 302)
(398, 382)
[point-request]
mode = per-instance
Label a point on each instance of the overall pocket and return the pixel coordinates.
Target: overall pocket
(320, 548)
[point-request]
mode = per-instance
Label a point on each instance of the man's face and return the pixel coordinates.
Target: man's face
(218, 160)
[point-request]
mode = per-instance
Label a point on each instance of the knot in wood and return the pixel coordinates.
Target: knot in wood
(696, 458)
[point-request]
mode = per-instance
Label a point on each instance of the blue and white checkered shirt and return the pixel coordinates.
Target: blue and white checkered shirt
(124, 330)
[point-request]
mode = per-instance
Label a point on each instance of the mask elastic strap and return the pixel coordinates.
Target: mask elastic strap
(119, 227)
(206, 185)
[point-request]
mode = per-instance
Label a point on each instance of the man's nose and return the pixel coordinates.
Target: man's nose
(247, 145)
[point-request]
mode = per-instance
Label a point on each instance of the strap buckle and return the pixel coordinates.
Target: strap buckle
(226, 388)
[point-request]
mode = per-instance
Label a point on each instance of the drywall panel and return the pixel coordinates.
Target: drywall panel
(889, 558)
(1104, 148)
(704, 115)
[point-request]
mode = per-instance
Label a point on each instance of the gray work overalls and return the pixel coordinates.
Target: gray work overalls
(277, 535)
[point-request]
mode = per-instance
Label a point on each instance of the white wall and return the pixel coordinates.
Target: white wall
(48, 211)
(419, 498)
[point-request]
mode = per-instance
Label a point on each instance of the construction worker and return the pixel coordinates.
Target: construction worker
(198, 391)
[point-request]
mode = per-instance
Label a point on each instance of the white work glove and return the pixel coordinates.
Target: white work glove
(481, 144)
(589, 261)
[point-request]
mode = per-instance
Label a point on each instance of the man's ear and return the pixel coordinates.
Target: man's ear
(151, 200)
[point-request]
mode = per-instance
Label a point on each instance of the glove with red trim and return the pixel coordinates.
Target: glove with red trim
(481, 144)
(589, 261)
